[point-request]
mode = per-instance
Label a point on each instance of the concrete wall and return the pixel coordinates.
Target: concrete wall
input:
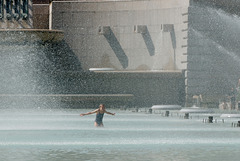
(128, 36)
(133, 37)
(125, 35)
(41, 16)
(147, 88)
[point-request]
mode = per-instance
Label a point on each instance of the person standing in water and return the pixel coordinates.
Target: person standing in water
(99, 115)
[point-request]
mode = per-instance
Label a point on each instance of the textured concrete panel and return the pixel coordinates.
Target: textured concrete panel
(41, 16)
(124, 6)
(106, 6)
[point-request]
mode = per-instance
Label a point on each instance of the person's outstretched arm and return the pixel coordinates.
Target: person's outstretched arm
(109, 113)
(89, 113)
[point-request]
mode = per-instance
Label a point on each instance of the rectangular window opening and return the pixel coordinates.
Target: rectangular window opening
(25, 9)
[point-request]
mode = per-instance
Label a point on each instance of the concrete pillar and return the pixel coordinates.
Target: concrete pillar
(50, 16)
(150, 111)
(186, 116)
(210, 119)
(167, 113)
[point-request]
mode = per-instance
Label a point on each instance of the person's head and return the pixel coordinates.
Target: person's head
(101, 107)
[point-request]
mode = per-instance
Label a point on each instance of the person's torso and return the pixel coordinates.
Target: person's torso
(99, 116)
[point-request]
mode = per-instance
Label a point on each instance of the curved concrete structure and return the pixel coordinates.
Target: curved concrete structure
(195, 110)
(101, 69)
(166, 107)
(230, 115)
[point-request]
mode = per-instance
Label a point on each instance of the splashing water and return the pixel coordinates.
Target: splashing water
(33, 68)
(213, 50)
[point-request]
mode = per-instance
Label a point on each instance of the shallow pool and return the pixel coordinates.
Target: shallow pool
(54, 135)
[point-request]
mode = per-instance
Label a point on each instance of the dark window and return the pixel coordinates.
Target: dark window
(16, 6)
(8, 6)
(25, 6)
(1, 9)
(1, 6)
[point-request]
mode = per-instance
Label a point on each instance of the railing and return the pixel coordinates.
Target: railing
(14, 9)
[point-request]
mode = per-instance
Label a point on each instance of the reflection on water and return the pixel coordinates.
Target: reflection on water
(142, 154)
(63, 135)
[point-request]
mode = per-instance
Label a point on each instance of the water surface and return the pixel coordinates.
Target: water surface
(55, 135)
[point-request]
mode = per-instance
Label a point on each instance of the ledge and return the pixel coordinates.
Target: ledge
(30, 35)
(71, 97)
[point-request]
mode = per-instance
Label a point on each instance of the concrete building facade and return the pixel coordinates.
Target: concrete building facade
(184, 48)
(125, 35)
(144, 43)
